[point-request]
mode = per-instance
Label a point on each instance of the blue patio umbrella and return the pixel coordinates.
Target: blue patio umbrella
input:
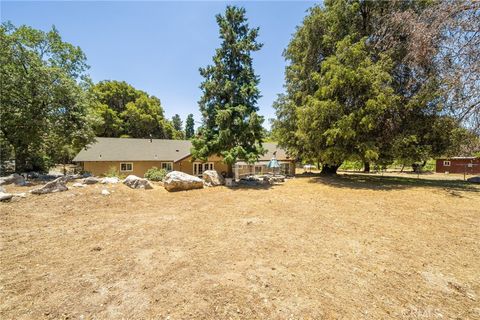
(273, 164)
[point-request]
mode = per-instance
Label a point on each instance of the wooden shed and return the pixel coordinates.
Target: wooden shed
(463, 165)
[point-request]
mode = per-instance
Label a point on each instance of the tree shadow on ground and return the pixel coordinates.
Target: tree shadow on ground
(354, 181)
(254, 186)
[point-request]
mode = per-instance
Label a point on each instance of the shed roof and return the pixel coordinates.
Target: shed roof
(130, 149)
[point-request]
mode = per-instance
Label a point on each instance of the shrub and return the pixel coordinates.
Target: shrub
(112, 172)
(155, 174)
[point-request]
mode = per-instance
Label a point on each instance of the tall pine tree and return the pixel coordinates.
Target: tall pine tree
(231, 126)
(189, 127)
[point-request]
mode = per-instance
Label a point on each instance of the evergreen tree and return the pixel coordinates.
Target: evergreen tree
(189, 127)
(348, 98)
(177, 122)
(178, 127)
(231, 126)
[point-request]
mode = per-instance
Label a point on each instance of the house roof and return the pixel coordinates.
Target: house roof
(129, 149)
(459, 158)
(272, 147)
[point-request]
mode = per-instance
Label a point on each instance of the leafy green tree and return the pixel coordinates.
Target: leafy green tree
(349, 96)
(143, 118)
(231, 126)
(43, 103)
(189, 127)
(123, 111)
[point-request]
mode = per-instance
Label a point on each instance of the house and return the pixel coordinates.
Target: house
(136, 156)
(463, 165)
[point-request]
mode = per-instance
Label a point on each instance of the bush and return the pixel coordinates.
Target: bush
(112, 172)
(155, 174)
(352, 165)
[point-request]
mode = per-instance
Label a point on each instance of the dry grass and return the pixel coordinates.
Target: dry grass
(352, 247)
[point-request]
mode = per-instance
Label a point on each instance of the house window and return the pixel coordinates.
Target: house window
(446, 163)
(198, 167)
(167, 166)
(126, 166)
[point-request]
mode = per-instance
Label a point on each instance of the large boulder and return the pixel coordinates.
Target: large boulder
(56, 185)
(13, 178)
(474, 179)
(108, 180)
(213, 178)
(135, 182)
(91, 180)
(178, 181)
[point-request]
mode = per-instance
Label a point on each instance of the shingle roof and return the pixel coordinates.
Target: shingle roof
(271, 147)
(129, 149)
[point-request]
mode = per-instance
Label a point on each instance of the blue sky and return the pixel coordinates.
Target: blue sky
(159, 46)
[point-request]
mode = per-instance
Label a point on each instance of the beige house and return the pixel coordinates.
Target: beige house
(136, 156)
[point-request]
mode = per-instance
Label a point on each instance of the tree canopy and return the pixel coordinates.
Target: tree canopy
(352, 96)
(44, 107)
(123, 111)
(231, 126)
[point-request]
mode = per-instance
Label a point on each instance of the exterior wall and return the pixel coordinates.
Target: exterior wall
(458, 166)
(100, 168)
(186, 164)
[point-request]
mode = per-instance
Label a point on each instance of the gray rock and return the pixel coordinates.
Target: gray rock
(212, 178)
(105, 192)
(56, 185)
(474, 179)
(2, 189)
(91, 180)
(178, 181)
(135, 182)
(72, 177)
(278, 178)
(79, 185)
(5, 196)
(108, 180)
(13, 178)
(20, 195)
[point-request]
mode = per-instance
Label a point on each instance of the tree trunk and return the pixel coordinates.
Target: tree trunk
(329, 169)
(21, 161)
(366, 166)
(230, 171)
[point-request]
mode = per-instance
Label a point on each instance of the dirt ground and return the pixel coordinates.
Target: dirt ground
(348, 247)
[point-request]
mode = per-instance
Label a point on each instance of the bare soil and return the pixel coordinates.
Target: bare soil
(346, 247)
